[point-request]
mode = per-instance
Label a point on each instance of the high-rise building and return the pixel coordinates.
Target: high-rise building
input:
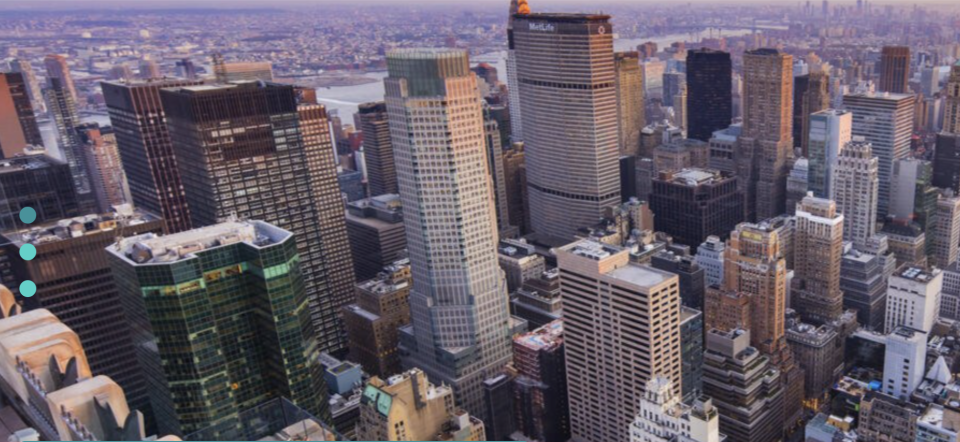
(951, 113)
(149, 70)
(946, 161)
(241, 71)
(723, 144)
(206, 308)
(692, 282)
(912, 196)
(18, 123)
(855, 189)
(375, 230)
(495, 168)
(691, 352)
(377, 150)
(58, 69)
(409, 407)
(904, 361)
(755, 267)
(726, 309)
(64, 111)
(797, 184)
(460, 330)
(653, 70)
(766, 144)
(818, 248)
(513, 82)
(811, 94)
(540, 388)
(828, 132)
(38, 181)
(692, 204)
(709, 92)
(895, 69)
(945, 232)
(630, 106)
(186, 69)
(907, 242)
(146, 152)
(673, 82)
(107, 179)
(939, 422)
(290, 181)
(913, 299)
(886, 122)
(538, 302)
(863, 280)
(372, 323)
(572, 164)
(744, 386)
(885, 418)
(31, 83)
(819, 351)
(498, 395)
(73, 278)
(601, 345)
(519, 262)
(515, 183)
(710, 258)
(664, 418)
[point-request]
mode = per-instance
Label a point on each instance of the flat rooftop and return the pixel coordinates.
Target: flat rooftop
(547, 336)
(163, 249)
(81, 226)
(28, 162)
(917, 274)
(562, 17)
(641, 275)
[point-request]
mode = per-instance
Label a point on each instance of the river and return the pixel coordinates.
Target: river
(344, 99)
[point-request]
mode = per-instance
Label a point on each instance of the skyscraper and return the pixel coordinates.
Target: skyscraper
(606, 298)
(57, 69)
(238, 71)
(207, 307)
(904, 361)
(946, 161)
(38, 181)
(459, 301)
(565, 67)
(143, 140)
(375, 230)
(709, 91)
(31, 82)
(541, 399)
(513, 83)
(18, 124)
(829, 131)
(664, 418)
(491, 136)
(766, 144)
(744, 386)
(811, 95)
(755, 266)
(913, 299)
(107, 179)
(290, 181)
(692, 204)
(377, 150)
(886, 122)
(895, 69)
(818, 245)
(951, 114)
(863, 279)
(945, 231)
(372, 323)
(64, 110)
(74, 281)
(855, 190)
(630, 106)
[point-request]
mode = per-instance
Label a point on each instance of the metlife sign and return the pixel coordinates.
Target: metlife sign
(542, 27)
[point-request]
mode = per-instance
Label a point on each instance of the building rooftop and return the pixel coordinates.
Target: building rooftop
(918, 274)
(694, 176)
(640, 275)
(594, 250)
(550, 335)
(160, 249)
(28, 162)
(563, 17)
(81, 226)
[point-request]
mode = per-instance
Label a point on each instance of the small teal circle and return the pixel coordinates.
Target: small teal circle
(28, 288)
(28, 215)
(28, 252)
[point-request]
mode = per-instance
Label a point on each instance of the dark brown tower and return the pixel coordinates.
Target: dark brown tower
(895, 69)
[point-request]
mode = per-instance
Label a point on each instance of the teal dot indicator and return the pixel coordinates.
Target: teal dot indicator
(28, 288)
(28, 215)
(28, 252)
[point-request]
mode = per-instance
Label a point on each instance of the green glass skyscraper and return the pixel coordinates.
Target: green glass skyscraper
(221, 324)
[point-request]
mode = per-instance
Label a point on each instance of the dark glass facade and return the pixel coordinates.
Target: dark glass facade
(229, 327)
(709, 92)
(139, 123)
(690, 212)
(946, 163)
(378, 149)
(248, 150)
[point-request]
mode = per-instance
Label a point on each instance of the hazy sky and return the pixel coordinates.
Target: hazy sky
(26, 4)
